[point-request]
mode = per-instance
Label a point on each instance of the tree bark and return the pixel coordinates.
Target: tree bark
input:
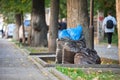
(77, 13)
(100, 33)
(118, 25)
(39, 27)
(53, 28)
(18, 24)
(23, 28)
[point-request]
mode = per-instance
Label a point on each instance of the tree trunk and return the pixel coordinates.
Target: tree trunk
(23, 28)
(29, 35)
(100, 33)
(18, 24)
(53, 28)
(118, 25)
(77, 13)
(39, 27)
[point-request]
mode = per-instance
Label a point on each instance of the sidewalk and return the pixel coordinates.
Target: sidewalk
(14, 65)
(104, 52)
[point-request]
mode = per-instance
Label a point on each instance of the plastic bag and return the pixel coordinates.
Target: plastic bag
(75, 33)
(63, 34)
(71, 33)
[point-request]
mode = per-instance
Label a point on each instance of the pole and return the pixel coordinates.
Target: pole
(91, 23)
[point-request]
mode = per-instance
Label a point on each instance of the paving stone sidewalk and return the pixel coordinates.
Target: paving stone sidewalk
(103, 51)
(14, 65)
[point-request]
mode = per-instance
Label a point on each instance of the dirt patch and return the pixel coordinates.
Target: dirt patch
(109, 61)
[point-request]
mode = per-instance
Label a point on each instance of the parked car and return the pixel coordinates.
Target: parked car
(0, 34)
(10, 29)
(27, 23)
(27, 30)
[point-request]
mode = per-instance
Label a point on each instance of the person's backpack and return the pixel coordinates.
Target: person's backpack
(109, 24)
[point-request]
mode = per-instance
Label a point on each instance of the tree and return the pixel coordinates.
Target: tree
(53, 28)
(39, 27)
(105, 6)
(118, 25)
(77, 13)
(63, 9)
(18, 24)
(16, 7)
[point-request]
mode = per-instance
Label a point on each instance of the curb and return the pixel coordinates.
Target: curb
(51, 73)
(52, 70)
(43, 70)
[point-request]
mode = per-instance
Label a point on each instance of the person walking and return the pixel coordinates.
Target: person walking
(109, 23)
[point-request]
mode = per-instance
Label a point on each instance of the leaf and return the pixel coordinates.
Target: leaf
(96, 78)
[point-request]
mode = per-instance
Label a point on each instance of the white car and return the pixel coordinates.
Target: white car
(10, 29)
(0, 34)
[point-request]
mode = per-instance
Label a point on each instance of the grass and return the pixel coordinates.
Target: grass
(31, 49)
(37, 49)
(115, 39)
(17, 43)
(78, 74)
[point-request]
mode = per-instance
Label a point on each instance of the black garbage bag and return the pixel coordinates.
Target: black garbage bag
(87, 56)
(67, 48)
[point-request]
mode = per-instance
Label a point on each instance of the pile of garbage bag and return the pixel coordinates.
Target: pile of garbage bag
(71, 48)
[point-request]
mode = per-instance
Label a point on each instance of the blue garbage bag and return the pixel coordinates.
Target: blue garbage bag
(63, 34)
(75, 33)
(71, 33)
